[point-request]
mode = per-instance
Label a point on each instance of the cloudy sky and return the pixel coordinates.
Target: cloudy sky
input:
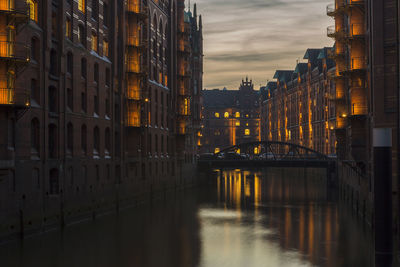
(256, 37)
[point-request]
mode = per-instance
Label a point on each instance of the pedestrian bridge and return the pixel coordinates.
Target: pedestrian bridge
(268, 154)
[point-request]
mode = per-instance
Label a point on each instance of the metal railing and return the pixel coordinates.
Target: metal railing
(358, 109)
(9, 6)
(358, 63)
(14, 96)
(14, 50)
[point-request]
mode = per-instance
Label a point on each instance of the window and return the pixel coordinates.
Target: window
(35, 136)
(83, 102)
(68, 28)
(34, 91)
(237, 123)
(105, 14)
(108, 140)
(105, 48)
(70, 63)
(34, 49)
(216, 115)
(32, 9)
(70, 138)
(216, 150)
(81, 35)
(52, 141)
(95, 9)
(53, 101)
(54, 182)
(82, 6)
(226, 114)
(83, 139)
(237, 114)
(96, 140)
(95, 42)
(108, 78)
(53, 62)
(96, 73)
(70, 99)
(247, 132)
(11, 133)
(83, 68)
(54, 28)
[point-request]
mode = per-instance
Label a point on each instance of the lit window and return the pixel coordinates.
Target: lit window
(217, 150)
(238, 123)
(94, 42)
(32, 8)
(247, 132)
(226, 115)
(247, 115)
(216, 115)
(237, 114)
(256, 151)
(105, 48)
(81, 5)
(68, 29)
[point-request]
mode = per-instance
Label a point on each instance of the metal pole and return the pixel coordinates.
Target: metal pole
(382, 141)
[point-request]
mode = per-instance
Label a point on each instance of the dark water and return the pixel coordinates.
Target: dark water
(269, 218)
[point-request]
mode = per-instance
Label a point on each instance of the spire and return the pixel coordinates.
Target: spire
(200, 23)
(195, 10)
(189, 5)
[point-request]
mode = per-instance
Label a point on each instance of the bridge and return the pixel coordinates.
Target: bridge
(269, 154)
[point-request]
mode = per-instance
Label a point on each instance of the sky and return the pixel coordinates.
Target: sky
(256, 37)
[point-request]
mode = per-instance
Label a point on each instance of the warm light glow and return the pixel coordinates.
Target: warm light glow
(226, 114)
(237, 114)
(33, 9)
(237, 123)
(82, 6)
(217, 150)
(216, 115)
(247, 132)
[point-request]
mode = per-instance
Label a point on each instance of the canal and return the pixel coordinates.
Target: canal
(243, 218)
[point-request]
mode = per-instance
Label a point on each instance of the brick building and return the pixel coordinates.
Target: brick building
(297, 107)
(230, 117)
(91, 105)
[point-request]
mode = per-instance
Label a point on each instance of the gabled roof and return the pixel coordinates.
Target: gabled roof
(301, 68)
(312, 55)
(283, 75)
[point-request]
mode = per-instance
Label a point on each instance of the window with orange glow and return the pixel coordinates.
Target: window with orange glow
(216, 115)
(94, 42)
(105, 48)
(247, 132)
(237, 114)
(226, 114)
(32, 8)
(82, 6)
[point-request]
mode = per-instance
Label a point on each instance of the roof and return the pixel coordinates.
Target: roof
(283, 75)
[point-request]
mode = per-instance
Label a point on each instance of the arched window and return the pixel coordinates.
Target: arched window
(35, 49)
(95, 9)
(53, 100)
(83, 68)
(105, 48)
(237, 114)
(70, 63)
(226, 115)
(54, 186)
(107, 141)
(53, 62)
(84, 139)
(81, 35)
(70, 138)
(35, 136)
(95, 42)
(33, 9)
(96, 140)
(35, 96)
(52, 141)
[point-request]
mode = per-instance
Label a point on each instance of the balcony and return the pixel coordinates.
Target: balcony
(334, 9)
(354, 3)
(14, 97)
(14, 51)
(358, 63)
(133, 115)
(357, 30)
(135, 41)
(359, 109)
(332, 32)
(18, 13)
(135, 8)
(135, 67)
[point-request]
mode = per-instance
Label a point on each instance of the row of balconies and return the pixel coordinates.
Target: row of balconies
(15, 96)
(343, 6)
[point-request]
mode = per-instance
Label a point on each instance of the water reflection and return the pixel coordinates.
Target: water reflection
(246, 218)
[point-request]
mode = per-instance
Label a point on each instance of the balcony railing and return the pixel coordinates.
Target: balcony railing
(358, 63)
(13, 50)
(14, 96)
(359, 109)
(134, 7)
(354, 2)
(332, 32)
(10, 7)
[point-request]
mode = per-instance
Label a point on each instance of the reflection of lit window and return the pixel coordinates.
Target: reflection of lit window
(247, 132)
(216, 115)
(238, 123)
(226, 115)
(216, 150)
(237, 115)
